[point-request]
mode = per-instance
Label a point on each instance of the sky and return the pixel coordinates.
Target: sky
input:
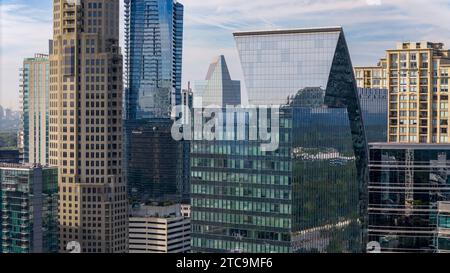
(370, 26)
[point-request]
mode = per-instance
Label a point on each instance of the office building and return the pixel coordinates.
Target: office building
(35, 106)
(372, 77)
(218, 89)
(408, 189)
(157, 168)
(443, 228)
(85, 132)
(155, 164)
(374, 107)
(309, 195)
(29, 208)
(153, 44)
(416, 76)
(159, 229)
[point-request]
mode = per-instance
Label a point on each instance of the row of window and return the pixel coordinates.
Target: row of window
(241, 219)
(258, 178)
(243, 205)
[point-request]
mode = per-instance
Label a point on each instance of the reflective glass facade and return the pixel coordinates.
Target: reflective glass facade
(310, 194)
(277, 66)
(35, 100)
(29, 198)
(407, 184)
(218, 88)
(157, 166)
(154, 36)
(374, 107)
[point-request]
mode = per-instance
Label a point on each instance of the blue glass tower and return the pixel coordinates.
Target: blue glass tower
(153, 41)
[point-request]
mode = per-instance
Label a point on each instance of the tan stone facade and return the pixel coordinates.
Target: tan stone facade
(86, 125)
(416, 75)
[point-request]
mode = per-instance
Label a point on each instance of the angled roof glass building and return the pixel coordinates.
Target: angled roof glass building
(309, 195)
(218, 88)
(28, 208)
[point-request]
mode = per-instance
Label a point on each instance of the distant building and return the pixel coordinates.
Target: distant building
(35, 109)
(374, 107)
(8, 114)
(2, 113)
(156, 167)
(86, 125)
(372, 76)
(29, 208)
(416, 76)
(155, 164)
(218, 88)
(409, 186)
(159, 229)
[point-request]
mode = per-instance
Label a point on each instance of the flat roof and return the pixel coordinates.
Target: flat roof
(417, 146)
(287, 31)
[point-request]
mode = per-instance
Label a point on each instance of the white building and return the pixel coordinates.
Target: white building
(159, 229)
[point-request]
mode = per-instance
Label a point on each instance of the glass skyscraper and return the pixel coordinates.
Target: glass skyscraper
(443, 228)
(408, 189)
(29, 208)
(157, 166)
(153, 44)
(310, 194)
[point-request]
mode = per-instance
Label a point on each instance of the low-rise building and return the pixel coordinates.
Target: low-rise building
(159, 229)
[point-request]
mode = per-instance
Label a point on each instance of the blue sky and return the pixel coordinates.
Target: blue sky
(371, 26)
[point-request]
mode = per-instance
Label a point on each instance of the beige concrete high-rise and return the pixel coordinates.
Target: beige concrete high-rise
(34, 105)
(86, 125)
(416, 76)
(371, 76)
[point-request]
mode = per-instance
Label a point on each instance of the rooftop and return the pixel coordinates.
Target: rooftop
(158, 211)
(288, 31)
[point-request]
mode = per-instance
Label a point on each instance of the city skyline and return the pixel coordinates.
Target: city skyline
(297, 140)
(209, 27)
